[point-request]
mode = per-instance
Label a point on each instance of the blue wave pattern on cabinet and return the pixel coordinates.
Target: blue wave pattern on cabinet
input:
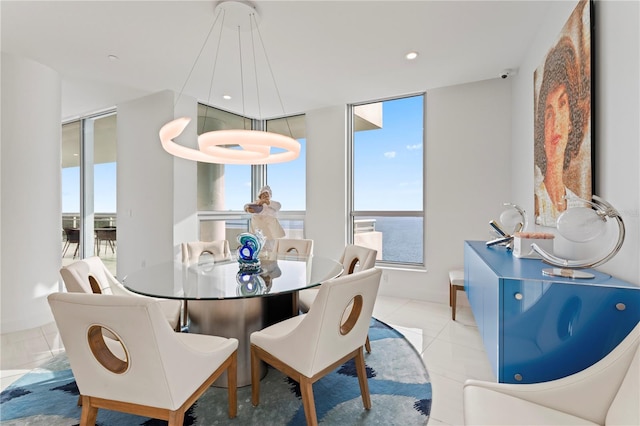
(537, 328)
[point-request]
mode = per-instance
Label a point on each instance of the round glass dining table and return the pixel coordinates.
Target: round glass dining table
(225, 301)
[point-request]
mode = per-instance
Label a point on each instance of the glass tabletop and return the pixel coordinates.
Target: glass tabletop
(224, 280)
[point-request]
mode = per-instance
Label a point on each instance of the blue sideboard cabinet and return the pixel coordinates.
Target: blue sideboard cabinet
(537, 328)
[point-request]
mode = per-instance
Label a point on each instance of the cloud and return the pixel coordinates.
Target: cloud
(390, 154)
(413, 147)
(415, 183)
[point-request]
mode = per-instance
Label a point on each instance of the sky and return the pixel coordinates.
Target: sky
(388, 162)
(388, 171)
(104, 188)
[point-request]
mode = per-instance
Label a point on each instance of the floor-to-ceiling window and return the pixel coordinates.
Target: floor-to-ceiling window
(288, 180)
(71, 141)
(224, 189)
(387, 178)
(89, 220)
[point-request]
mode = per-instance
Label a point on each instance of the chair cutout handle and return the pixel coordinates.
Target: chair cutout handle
(356, 309)
(103, 354)
(95, 286)
(352, 266)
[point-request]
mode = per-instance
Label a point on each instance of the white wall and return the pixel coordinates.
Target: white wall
(466, 181)
(156, 191)
(31, 231)
(185, 179)
(617, 133)
(618, 124)
(479, 148)
(468, 176)
(326, 216)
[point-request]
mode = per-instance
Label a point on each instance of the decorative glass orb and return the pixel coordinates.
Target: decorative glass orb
(581, 224)
(510, 218)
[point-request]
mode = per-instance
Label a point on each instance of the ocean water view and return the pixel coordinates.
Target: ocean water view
(402, 238)
(399, 238)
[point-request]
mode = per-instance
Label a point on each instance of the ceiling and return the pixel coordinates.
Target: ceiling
(321, 53)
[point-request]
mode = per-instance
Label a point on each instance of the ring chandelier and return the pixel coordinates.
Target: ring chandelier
(255, 145)
(236, 146)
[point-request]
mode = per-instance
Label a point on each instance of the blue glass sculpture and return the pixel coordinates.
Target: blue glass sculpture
(249, 251)
(249, 283)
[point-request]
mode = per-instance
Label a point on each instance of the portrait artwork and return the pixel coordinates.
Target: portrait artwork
(563, 163)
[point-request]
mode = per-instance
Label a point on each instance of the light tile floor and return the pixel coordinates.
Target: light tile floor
(451, 350)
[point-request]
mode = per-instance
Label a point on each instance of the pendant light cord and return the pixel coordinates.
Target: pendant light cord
(198, 58)
(255, 64)
(233, 146)
(252, 23)
(213, 72)
(244, 121)
(273, 79)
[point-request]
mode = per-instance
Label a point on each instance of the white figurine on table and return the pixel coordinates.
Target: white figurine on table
(264, 216)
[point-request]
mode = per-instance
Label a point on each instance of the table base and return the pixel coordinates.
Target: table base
(236, 318)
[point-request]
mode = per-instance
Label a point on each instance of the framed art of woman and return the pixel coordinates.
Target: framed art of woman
(562, 132)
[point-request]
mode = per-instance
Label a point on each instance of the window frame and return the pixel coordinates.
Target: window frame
(86, 164)
(353, 215)
(258, 178)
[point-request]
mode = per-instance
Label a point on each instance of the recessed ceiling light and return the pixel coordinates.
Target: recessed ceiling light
(113, 57)
(226, 97)
(411, 55)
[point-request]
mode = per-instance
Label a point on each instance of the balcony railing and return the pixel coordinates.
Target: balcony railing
(100, 220)
(212, 226)
(104, 245)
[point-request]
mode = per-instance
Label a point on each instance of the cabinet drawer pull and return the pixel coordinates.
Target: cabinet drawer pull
(621, 306)
(518, 296)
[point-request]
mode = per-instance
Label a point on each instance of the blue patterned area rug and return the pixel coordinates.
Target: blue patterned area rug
(398, 382)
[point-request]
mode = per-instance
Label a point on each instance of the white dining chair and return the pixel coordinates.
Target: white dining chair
(299, 246)
(143, 368)
(90, 275)
(309, 346)
(218, 249)
(354, 258)
(607, 393)
(191, 253)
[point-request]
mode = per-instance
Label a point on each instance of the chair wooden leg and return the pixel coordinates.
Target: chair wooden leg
(451, 291)
(367, 345)
(255, 377)
(306, 389)
(89, 413)
(454, 297)
(362, 379)
(176, 418)
(232, 385)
